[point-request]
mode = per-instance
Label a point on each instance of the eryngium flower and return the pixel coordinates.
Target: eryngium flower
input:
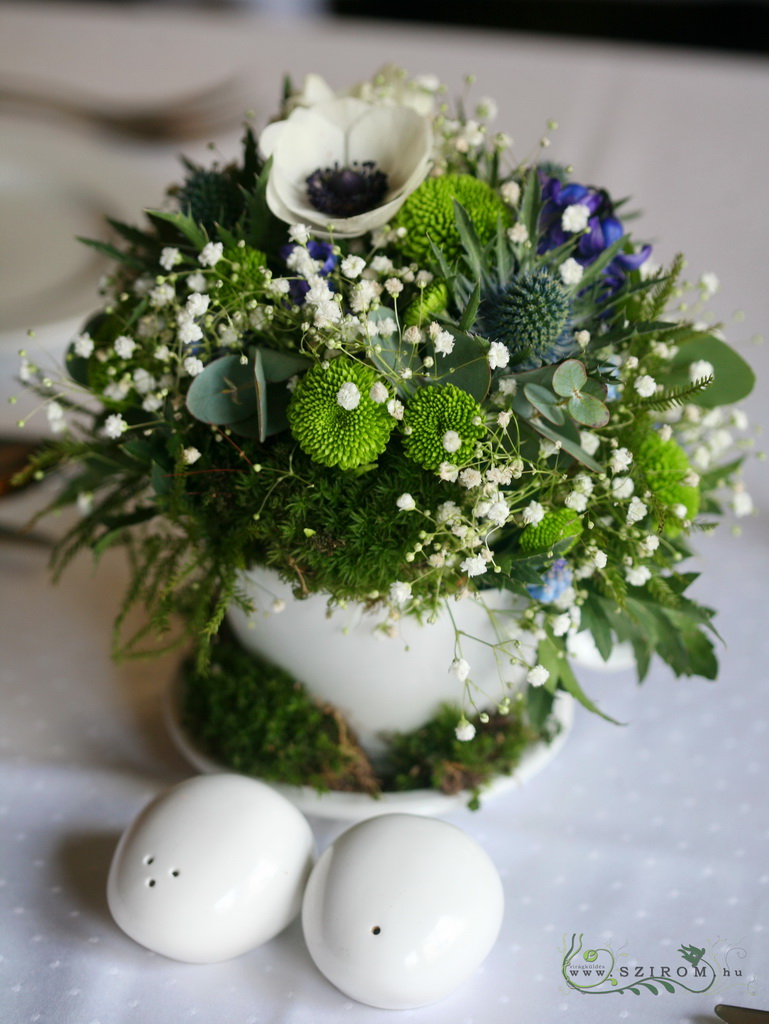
(442, 423)
(530, 314)
(211, 197)
(330, 426)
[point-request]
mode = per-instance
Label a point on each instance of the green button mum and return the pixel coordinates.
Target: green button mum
(554, 526)
(433, 299)
(665, 466)
(429, 211)
(334, 418)
(442, 424)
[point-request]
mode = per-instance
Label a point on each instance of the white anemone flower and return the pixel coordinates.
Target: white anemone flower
(349, 135)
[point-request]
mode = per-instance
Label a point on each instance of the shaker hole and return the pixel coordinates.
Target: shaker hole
(149, 859)
(175, 873)
(376, 930)
(151, 882)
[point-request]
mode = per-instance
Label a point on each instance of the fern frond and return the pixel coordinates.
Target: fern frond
(658, 297)
(671, 397)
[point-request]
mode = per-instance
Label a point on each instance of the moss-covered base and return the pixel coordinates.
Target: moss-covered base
(255, 718)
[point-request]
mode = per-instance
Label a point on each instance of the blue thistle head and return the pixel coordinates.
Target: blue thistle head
(210, 197)
(531, 313)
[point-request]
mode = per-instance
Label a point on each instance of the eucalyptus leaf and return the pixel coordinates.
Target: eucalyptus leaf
(280, 366)
(545, 402)
(260, 384)
(588, 411)
(733, 379)
(224, 393)
(272, 393)
(568, 444)
(466, 366)
(569, 377)
(391, 355)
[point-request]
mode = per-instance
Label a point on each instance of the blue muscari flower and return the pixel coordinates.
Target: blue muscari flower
(318, 251)
(603, 228)
(555, 581)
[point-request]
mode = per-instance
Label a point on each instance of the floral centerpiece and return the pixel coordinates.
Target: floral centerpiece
(395, 364)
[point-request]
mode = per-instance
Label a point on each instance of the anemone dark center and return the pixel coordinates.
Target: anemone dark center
(347, 191)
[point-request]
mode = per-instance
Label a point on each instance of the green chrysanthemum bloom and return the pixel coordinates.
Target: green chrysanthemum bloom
(434, 299)
(532, 312)
(442, 424)
(665, 466)
(429, 211)
(210, 197)
(334, 418)
(554, 526)
(241, 276)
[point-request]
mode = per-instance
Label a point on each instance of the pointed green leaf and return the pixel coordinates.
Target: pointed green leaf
(600, 263)
(468, 316)
(530, 205)
(505, 263)
(445, 270)
(113, 253)
(469, 237)
(184, 224)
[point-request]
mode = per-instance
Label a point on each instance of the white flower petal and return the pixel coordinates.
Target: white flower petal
(342, 131)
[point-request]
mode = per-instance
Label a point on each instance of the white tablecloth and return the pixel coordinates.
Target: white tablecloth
(645, 837)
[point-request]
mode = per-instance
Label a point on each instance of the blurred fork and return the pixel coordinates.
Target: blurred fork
(199, 114)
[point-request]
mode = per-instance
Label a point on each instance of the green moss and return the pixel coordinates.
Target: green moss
(327, 531)
(433, 758)
(257, 719)
(554, 526)
(428, 215)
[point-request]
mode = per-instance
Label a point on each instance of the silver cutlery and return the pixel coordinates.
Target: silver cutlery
(741, 1014)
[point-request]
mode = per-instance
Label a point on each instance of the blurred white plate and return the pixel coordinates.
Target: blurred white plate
(56, 185)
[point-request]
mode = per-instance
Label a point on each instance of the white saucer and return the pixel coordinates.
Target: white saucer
(358, 806)
(55, 185)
